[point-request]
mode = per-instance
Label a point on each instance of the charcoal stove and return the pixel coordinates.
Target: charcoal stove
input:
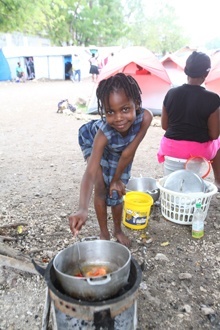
(116, 313)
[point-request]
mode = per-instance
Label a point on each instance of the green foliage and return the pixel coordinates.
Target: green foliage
(93, 22)
(13, 14)
(97, 22)
(157, 29)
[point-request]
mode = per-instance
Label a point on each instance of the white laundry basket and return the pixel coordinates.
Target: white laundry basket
(179, 207)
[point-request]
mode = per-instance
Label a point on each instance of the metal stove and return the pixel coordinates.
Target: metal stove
(62, 312)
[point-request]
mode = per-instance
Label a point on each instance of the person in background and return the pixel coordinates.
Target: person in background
(109, 145)
(76, 68)
(30, 68)
(20, 73)
(191, 117)
(94, 67)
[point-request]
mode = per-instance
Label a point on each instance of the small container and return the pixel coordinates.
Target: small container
(137, 206)
(198, 222)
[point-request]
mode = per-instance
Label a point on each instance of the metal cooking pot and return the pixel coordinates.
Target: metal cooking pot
(114, 256)
(147, 185)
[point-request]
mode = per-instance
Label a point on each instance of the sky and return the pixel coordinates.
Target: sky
(200, 19)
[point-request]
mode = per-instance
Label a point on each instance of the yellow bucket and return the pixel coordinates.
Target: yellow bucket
(137, 206)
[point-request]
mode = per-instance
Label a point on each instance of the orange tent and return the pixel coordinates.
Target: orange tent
(212, 81)
(144, 66)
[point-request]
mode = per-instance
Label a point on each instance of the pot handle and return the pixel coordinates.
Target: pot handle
(89, 238)
(38, 268)
(104, 280)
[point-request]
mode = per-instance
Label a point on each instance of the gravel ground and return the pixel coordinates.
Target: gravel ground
(40, 170)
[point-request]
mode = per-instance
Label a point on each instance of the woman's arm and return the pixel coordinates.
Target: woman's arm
(128, 154)
(164, 118)
(214, 124)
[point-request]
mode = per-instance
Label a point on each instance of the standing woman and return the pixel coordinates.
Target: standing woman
(94, 67)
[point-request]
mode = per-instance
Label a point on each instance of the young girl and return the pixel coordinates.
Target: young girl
(109, 145)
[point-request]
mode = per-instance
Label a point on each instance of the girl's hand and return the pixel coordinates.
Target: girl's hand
(118, 186)
(76, 221)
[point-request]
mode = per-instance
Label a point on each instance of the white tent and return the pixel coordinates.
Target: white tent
(49, 62)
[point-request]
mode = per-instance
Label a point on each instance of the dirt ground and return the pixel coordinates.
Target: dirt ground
(41, 166)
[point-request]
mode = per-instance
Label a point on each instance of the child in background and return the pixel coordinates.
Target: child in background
(109, 145)
(20, 73)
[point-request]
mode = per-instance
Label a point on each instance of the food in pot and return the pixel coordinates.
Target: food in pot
(97, 271)
(92, 271)
(102, 253)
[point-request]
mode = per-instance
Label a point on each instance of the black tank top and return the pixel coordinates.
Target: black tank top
(188, 108)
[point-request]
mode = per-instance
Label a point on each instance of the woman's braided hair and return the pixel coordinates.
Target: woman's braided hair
(114, 84)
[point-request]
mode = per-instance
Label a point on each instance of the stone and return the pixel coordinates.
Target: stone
(161, 256)
(185, 276)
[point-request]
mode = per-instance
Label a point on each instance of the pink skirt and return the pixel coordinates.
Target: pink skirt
(186, 149)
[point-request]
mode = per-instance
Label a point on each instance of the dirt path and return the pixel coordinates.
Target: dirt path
(40, 170)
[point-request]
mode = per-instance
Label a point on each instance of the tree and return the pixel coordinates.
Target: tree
(34, 17)
(83, 22)
(13, 14)
(66, 22)
(154, 25)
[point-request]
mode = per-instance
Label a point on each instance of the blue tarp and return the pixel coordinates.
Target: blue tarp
(5, 73)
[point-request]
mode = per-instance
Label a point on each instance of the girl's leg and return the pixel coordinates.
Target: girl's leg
(216, 169)
(117, 218)
(100, 205)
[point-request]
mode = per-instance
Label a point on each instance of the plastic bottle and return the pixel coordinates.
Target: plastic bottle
(198, 222)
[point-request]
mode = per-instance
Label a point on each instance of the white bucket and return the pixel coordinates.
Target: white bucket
(172, 164)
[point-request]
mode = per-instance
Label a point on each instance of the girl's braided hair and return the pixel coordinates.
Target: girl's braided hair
(114, 84)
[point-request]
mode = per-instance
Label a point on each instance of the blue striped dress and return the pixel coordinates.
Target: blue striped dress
(113, 150)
